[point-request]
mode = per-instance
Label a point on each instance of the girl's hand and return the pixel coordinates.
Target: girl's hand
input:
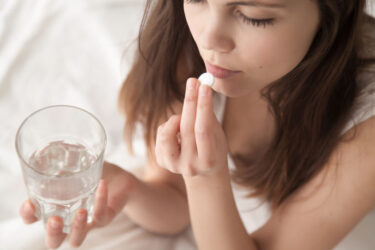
(110, 198)
(194, 142)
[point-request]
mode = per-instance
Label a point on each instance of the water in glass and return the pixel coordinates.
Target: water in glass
(71, 183)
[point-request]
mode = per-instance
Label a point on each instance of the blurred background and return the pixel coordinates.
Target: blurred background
(77, 53)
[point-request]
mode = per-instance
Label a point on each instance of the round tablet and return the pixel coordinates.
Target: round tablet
(207, 79)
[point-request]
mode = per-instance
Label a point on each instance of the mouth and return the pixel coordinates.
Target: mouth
(220, 72)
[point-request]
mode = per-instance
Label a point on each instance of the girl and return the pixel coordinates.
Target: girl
(294, 98)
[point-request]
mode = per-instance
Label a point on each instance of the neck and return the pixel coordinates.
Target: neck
(249, 125)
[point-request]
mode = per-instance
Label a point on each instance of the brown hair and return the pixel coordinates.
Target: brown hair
(311, 104)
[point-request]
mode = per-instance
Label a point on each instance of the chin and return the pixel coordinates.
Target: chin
(229, 90)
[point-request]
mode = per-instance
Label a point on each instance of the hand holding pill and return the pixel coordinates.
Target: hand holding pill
(202, 148)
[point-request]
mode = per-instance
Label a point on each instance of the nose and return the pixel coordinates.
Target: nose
(215, 36)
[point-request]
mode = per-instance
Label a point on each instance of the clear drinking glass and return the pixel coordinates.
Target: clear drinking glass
(61, 152)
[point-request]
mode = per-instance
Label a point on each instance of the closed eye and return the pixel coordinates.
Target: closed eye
(255, 22)
(245, 19)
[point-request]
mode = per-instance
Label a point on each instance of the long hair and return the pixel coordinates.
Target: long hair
(311, 104)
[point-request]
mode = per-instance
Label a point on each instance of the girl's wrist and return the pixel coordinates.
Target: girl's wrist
(214, 178)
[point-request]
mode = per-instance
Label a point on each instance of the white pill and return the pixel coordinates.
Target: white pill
(207, 79)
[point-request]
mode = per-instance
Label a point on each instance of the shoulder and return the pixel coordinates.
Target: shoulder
(357, 149)
(323, 211)
(350, 170)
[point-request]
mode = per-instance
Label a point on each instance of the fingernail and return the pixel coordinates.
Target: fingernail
(28, 208)
(55, 224)
(204, 90)
(191, 84)
(81, 215)
(101, 186)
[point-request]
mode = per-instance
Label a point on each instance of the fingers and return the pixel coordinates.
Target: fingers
(188, 116)
(204, 124)
(79, 228)
(167, 146)
(197, 125)
(27, 212)
(101, 199)
(55, 235)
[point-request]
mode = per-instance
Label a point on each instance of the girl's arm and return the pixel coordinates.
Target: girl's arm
(158, 202)
(215, 218)
(201, 157)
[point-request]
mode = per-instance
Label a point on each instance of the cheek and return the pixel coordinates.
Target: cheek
(277, 51)
(281, 54)
(267, 59)
(276, 54)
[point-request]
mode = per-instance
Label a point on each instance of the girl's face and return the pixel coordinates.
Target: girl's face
(247, 44)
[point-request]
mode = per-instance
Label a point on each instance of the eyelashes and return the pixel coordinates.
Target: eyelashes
(247, 20)
(192, 1)
(255, 22)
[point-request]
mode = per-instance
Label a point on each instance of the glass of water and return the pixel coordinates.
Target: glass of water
(61, 152)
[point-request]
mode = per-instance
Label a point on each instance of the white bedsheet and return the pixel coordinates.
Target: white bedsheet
(67, 52)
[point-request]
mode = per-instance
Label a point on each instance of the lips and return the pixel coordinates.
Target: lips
(219, 72)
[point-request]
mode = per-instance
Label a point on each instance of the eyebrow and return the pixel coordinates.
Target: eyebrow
(256, 4)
